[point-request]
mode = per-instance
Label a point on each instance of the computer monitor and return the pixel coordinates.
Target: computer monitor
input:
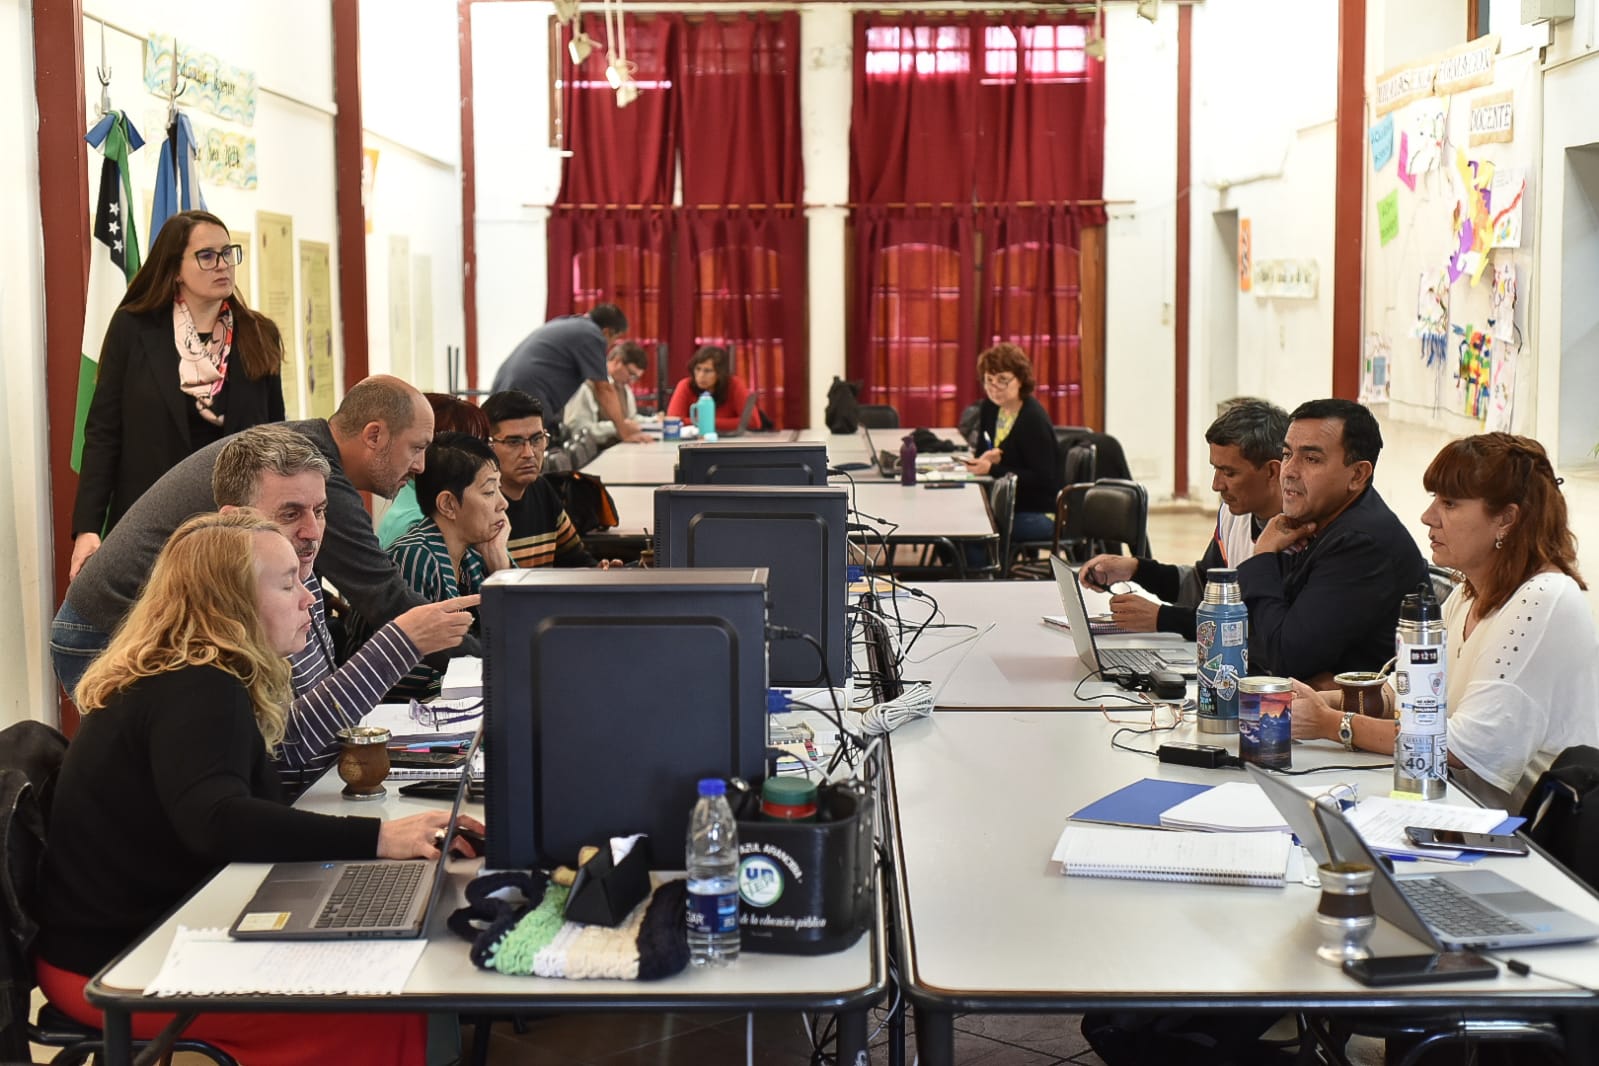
(704, 462)
(608, 695)
(797, 533)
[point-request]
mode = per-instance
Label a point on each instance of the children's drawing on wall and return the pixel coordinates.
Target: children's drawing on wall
(1374, 369)
(1502, 302)
(1501, 400)
(1473, 218)
(1473, 373)
(1432, 318)
(1421, 139)
(1509, 189)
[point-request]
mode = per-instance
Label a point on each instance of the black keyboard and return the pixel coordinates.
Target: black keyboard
(1455, 913)
(1139, 660)
(372, 895)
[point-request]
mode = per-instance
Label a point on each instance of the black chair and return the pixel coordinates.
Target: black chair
(1443, 580)
(970, 424)
(879, 416)
(1105, 516)
(1002, 505)
(30, 758)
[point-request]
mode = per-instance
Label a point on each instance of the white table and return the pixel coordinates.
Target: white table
(445, 980)
(987, 923)
(655, 462)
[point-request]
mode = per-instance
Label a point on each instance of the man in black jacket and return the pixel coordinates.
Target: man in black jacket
(1324, 585)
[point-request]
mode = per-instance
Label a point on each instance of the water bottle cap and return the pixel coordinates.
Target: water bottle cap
(1420, 606)
(713, 786)
(1222, 575)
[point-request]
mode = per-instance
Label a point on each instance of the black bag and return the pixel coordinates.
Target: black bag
(1562, 812)
(843, 413)
(585, 499)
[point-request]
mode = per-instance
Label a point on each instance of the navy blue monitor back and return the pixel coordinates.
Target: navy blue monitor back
(609, 694)
(741, 462)
(797, 534)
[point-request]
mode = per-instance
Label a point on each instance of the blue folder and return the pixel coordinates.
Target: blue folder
(1140, 803)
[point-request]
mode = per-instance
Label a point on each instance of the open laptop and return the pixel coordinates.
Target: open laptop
(744, 419)
(1450, 911)
(388, 899)
(1142, 659)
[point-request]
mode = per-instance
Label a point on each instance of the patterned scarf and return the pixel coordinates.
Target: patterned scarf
(202, 365)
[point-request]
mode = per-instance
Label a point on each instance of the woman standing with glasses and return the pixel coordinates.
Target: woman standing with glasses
(184, 363)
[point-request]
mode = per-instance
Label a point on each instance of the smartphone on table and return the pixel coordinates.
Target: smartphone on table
(1455, 840)
(1420, 969)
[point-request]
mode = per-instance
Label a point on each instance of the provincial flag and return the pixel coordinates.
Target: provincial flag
(113, 255)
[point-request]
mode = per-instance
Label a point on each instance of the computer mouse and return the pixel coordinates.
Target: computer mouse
(1168, 685)
(472, 837)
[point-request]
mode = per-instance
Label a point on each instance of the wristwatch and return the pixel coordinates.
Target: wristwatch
(1346, 735)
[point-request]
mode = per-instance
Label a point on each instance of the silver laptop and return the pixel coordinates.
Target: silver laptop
(388, 899)
(744, 419)
(1450, 911)
(1140, 658)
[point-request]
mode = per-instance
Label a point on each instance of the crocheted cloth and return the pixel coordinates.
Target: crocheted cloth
(514, 923)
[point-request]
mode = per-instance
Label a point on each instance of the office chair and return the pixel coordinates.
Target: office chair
(30, 759)
(1101, 517)
(1443, 580)
(879, 416)
(1002, 505)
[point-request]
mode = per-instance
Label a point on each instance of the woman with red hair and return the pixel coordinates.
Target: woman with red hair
(1523, 675)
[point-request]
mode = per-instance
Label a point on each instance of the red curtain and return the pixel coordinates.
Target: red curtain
(742, 285)
(621, 155)
(913, 128)
(915, 311)
(1031, 263)
(738, 94)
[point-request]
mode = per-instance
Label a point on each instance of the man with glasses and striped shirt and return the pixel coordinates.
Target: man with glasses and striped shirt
(541, 532)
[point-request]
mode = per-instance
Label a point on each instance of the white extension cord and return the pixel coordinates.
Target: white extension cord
(915, 702)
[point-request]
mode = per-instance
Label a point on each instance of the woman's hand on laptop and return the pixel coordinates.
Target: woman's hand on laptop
(416, 837)
(1103, 571)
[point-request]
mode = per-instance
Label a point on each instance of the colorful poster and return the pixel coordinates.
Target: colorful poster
(316, 324)
(1374, 369)
(369, 180)
(1473, 218)
(204, 81)
(1493, 118)
(1388, 217)
(1502, 398)
(225, 157)
(276, 275)
(1474, 370)
(1403, 166)
(1426, 122)
(1246, 254)
(1502, 302)
(1432, 318)
(1508, 191)
(1381, 136)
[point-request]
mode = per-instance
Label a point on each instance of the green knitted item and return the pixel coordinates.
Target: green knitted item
(515, 951)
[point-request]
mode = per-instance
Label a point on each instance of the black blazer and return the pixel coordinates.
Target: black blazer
(1029, 452)
(138, 424)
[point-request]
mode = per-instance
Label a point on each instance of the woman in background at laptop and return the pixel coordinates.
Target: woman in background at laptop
(169, 778)
(711, 370)
(1017, 438)
(1523, 674)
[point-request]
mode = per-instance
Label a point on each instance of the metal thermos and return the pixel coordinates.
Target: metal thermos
(1421, 749)
(1222, 633)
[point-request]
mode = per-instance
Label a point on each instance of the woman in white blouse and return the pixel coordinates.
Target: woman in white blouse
(1523, 675)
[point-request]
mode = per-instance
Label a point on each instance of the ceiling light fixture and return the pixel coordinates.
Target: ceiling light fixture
(581, 47)
(1094, 47)
(566, 11)
(1149, 9)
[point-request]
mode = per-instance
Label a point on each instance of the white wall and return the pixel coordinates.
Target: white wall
(1265, 103)
(25, 543)
(410, 113)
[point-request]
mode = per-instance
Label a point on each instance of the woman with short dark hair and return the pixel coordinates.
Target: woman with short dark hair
(1523, 672)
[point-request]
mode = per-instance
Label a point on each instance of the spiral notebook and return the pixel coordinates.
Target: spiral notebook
(1255, 859)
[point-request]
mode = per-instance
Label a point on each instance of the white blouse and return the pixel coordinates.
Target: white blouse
(1525, 685)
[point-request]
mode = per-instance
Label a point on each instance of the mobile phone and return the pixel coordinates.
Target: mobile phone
(1491, 843)
(1420, 969)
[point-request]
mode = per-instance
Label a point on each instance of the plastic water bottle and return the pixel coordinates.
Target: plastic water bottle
(704, 412)
(713, 936)
(1221, 631)
(907, 461)
(1421, 749)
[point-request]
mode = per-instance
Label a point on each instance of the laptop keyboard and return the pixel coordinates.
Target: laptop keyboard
(1455, 913)
(372, 895)
(1140, 660)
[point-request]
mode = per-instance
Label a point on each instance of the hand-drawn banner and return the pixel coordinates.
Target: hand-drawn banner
(1296, 279)
(225, 157)
(208, 83)
(1465, 67)
(1493, 118)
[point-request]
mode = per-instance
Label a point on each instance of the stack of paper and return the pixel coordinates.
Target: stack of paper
(1234, 807)
(1257, 859)
(207, 962)
(1381, 823)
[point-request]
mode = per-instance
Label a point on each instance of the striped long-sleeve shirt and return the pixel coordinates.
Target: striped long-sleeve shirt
(424, 561)
(328, 699)
(541, 533)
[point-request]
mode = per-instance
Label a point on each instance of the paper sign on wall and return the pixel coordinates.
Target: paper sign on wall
(1296, 279)
(1401, 85)
(1502, 390)
(1388, 217)
(1473, 218)
(1466, 67)
(1502, 302)
(1381, 136)
(1505, 197)
(1493, 118)
(1426, 121)
(1432, 318)
(1474, 370)
(1374, 369)
(1246, 254)
(210, 84)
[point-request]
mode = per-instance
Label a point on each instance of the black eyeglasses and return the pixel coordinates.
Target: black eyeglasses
(211, 258)
(516, 444)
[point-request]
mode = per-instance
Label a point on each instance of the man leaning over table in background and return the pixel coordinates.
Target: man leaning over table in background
(1246, 447)
(1324, 585)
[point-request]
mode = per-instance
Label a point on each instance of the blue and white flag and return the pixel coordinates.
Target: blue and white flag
(177, 182)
